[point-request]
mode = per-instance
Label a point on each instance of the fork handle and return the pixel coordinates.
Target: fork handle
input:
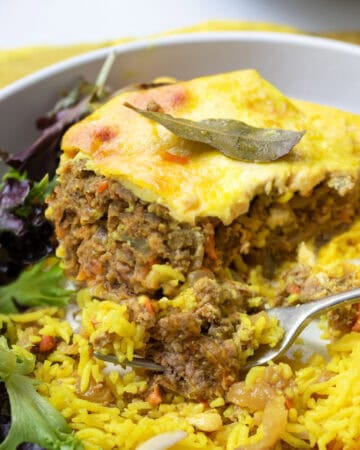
(319, 307)
(295, 319)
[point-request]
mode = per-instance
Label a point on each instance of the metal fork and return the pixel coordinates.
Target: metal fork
(136, 362)
(293, 319)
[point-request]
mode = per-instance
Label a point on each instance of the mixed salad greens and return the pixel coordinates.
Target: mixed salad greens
(28, 278)
(34, 420)
(25, 234)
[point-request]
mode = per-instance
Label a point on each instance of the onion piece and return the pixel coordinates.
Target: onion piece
(254, 399)
(274, 424)
(163, 441)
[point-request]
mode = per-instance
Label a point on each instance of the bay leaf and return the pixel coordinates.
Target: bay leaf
(233, 138)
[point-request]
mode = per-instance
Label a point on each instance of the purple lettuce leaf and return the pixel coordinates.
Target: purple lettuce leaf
(14, 193)
(25, 235)
(42, 157)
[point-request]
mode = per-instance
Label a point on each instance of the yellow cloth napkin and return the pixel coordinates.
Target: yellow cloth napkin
(16, 63)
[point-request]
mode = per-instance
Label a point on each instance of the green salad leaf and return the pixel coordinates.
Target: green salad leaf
(43, 284)
(41, 189)
(38, 191)
(42, 156)
(26, 236)
(34, 419)
(233, 138)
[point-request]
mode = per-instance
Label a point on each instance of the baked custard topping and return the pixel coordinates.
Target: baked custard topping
(194, 180)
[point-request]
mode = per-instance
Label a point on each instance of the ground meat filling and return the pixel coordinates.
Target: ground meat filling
(272, 229)
(109, 237)
(308, 286)
(200, 348)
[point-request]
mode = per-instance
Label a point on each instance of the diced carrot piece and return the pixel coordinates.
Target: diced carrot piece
(356, 326)
(96, 267)
(153, 260)
(148, 305)
(288, 403)
(175, 158)
(81, 276)
(47, 344)
(59, 231)
(155, 397)
(103, 185)
(294, 288)
(210, 245)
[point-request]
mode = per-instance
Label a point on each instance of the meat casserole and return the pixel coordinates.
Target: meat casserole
(143, 215)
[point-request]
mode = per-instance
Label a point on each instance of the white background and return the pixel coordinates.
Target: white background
(30, 22)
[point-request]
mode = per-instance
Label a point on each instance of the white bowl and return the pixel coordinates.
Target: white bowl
(314, 69)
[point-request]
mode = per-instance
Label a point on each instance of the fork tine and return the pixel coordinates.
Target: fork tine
(136, 362)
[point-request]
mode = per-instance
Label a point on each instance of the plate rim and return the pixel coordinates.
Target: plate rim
(276, 38)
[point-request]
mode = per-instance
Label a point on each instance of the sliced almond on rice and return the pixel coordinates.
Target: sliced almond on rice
(207, 422)
(163, 441)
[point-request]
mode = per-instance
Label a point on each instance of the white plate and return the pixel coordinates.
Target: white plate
(314, 69)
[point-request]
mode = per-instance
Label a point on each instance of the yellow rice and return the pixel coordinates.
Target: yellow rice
(325, 397)
(125, 425)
